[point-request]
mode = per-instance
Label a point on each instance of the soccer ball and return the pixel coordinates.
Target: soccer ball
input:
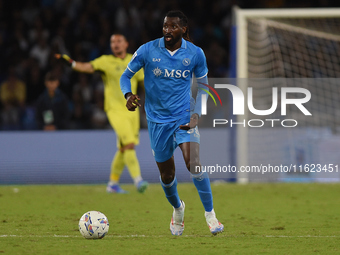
(93, 225)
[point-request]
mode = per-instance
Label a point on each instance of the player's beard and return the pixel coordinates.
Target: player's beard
(172, 42)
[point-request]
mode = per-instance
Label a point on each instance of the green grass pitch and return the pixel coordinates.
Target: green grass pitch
(258, 219)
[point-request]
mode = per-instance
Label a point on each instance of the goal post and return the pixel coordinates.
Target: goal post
(241, 17)
(266, 47)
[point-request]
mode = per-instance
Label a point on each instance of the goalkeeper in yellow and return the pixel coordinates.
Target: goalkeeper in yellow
(124, 122)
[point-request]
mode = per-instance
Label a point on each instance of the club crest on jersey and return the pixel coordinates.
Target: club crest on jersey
(186, 62)
(157, 72)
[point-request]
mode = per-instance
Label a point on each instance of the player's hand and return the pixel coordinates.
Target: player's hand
(66, 59)
(193, 122)
(132, 102)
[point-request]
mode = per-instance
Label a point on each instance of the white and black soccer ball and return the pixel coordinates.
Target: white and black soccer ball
(93, 225)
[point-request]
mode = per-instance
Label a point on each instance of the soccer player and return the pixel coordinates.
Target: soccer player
(169, 64)
(125, 123)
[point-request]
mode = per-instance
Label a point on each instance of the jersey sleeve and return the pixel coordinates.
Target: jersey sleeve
(137, 60)
(201, 71)
(98, 63)
(140, 75)
(201, 68)
(136, 63)
(202, 89)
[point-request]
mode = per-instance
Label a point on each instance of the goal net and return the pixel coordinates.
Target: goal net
(289, 48)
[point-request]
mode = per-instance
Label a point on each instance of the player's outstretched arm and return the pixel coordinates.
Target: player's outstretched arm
(84, 67)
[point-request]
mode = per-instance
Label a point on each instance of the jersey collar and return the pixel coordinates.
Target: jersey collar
(161, 43)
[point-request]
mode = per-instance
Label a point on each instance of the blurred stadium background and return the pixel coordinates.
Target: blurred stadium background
(32, 31)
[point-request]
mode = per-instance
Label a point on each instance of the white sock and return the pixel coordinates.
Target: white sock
(210, 214)
(180, 208)
(112, 183)
(137, 179)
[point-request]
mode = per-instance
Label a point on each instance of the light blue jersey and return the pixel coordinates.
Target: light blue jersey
(167, 79)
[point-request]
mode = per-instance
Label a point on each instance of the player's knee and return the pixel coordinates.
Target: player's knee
(192, 163)
(167, 178)
(130, 146)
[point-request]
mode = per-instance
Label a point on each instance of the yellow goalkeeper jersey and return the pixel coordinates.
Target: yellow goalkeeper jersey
(111, 69)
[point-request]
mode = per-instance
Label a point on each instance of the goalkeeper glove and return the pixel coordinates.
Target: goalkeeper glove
(66, 59)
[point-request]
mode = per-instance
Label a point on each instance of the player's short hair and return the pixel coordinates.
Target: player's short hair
(176, 13)
(121, 34)
(50, 76)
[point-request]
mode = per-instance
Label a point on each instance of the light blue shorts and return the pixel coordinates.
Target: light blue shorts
(165, 137)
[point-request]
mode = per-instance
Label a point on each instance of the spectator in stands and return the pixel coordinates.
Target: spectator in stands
(52, 106)
(39, 29)
(99, 118)
(13, 97)
(82, 97)
(35, 81)
(41, 52)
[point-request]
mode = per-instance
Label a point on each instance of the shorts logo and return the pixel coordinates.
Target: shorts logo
(186, 62)
(157, 72)
(194, 131)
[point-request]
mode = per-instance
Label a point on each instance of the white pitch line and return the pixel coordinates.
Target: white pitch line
(159, 236)
(110, 236)
(305, 236)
